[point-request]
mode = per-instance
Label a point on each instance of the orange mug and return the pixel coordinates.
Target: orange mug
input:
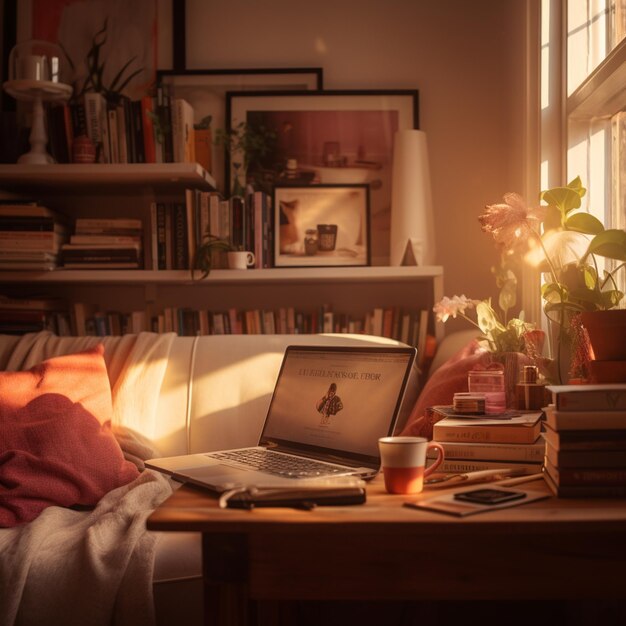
(403, 461)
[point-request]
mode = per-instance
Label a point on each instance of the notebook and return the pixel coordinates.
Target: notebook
(329, 407)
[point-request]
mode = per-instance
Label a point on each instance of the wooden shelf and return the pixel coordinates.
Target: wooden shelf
(37, 177)
(222, 277)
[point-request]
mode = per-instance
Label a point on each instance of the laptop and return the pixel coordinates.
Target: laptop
(329, 407)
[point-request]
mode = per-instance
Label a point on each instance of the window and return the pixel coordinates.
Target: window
(583, 102)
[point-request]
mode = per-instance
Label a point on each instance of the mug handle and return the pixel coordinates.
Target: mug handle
(250, 258)
(439, 460)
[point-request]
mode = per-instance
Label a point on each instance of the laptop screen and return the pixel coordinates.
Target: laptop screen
(337, 402)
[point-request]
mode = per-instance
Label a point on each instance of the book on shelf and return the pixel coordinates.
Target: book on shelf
(149, 144)
(105, 239)
(95, 108)
(523, 428)
(583, 490)
(586, 419)
(10, 225)
(32, 304)
(182, 131)
(579, 459)
(485, 451)
(585, 439)
(102, 265)
(604, 397)
(86, 225)
(35, 241)
(28, 209)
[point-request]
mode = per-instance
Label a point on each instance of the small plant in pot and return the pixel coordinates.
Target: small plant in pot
(572, 249)
(207, 253)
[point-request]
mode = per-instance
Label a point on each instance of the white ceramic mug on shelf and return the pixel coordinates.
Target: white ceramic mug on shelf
(240, 260)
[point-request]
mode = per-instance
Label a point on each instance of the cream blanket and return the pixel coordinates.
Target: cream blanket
(68, 567)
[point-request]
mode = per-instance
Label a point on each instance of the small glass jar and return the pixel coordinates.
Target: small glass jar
(489, 383)
(311, 241)
(327, 237)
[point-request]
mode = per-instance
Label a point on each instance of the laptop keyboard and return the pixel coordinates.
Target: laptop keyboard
(279, 464)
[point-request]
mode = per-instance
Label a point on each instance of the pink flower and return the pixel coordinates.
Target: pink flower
(512, 222)
(451, 307)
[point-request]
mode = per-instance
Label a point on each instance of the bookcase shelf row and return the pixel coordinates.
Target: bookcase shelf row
(33, 177)
(104, 191)
(258, 276)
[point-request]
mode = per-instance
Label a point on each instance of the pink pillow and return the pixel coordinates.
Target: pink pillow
(56, 446)
(440, 388)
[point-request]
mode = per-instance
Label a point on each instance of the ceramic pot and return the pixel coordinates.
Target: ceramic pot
(607, 333)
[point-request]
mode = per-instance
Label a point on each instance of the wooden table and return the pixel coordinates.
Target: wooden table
(551, 549)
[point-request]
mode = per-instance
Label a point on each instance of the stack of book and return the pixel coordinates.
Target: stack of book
(113, 243)
(30, 236)
(19, 315)
(179, 228)
(473, 443)
(152, 129)
(586, 440)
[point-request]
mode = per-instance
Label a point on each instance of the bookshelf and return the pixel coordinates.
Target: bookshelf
(103, 190)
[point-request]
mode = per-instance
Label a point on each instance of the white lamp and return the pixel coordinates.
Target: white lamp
(412, 220)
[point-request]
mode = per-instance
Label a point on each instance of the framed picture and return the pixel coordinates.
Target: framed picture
(206, 91)
(321, 225)
(322, 137)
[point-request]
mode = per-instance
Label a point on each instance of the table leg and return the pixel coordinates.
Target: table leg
(225, 577)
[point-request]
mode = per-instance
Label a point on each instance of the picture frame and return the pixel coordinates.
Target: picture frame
(323, 137)
(206, 91)
(321, 225)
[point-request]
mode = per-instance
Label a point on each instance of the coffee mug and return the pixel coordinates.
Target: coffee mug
(240, 260)
(403, 461)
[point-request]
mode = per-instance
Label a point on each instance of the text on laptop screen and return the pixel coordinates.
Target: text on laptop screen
(337, 400)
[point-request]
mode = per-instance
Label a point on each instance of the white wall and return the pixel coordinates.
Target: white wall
(465, 57)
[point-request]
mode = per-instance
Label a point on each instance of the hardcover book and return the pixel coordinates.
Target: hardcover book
(468, 451)
(586, 459)
(584, 491)
(523, 428)
(608, 397)
(586, 439)
(586, 476)
(589, 419)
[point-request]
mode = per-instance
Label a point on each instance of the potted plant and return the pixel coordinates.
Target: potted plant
(247, 145)
(571, 247)
(95, 70)
(207, 253)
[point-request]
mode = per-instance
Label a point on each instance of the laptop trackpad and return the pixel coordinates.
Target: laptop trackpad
(219, 475)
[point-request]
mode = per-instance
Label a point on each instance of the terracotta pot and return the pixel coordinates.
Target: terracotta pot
(607, 333)
(607, 371)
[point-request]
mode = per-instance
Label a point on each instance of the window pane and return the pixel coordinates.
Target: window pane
(594, 28)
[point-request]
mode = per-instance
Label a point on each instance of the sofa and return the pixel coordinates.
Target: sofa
(203, 393)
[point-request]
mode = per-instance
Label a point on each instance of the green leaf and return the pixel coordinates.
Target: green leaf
(565, 199)
(486, 318)
(577, 185)
(584, 223)
(118, 76)
(552, 293)
(609, 243)
(590, 276)
(508, 295)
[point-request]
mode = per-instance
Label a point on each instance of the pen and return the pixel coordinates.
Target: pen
(519, 480)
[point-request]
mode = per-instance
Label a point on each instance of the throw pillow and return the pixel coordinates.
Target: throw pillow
(56, 444)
